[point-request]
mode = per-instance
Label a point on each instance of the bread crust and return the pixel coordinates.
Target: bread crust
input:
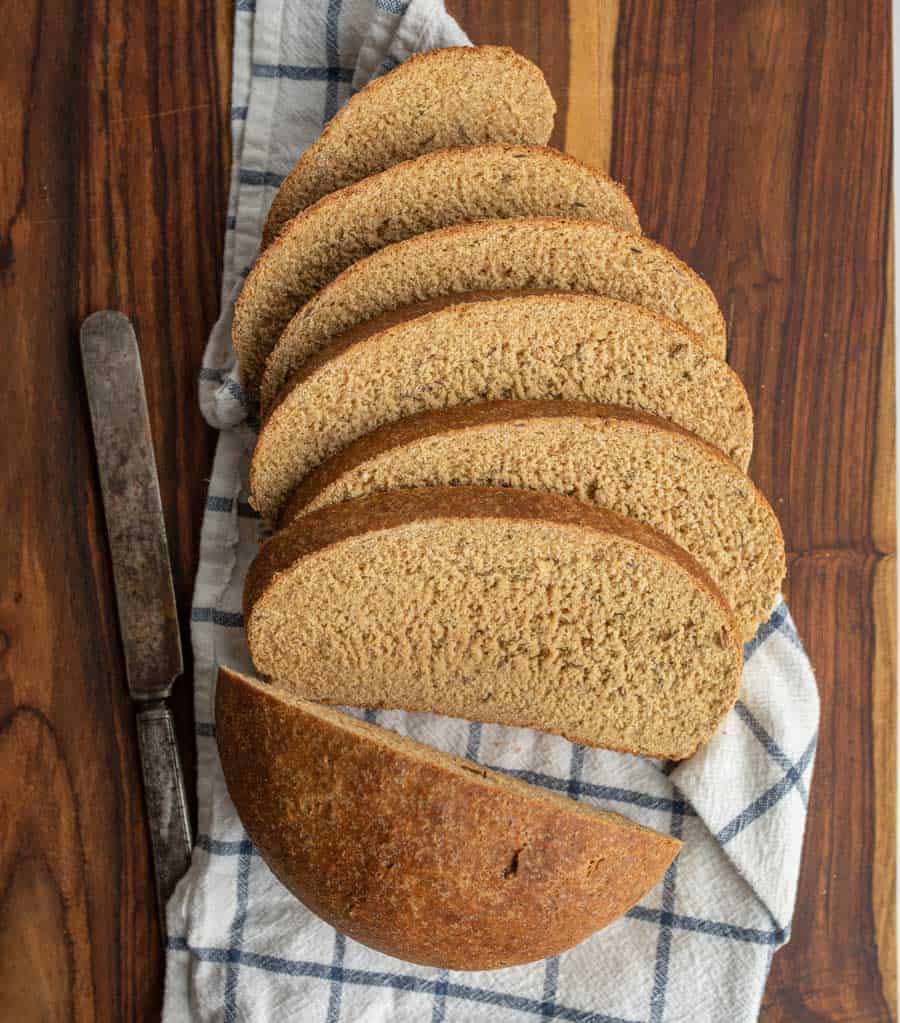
(416, 853)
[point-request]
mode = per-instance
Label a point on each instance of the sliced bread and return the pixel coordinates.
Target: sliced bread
(398, 845)
(451, 186)
(631, 463)
(569, 255)
(450, 97)
(497, 605)
(470, 348)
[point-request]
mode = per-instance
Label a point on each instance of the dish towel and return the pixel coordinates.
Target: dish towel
(698, 948)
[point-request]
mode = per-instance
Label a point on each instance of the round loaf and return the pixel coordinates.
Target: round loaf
(421, 855)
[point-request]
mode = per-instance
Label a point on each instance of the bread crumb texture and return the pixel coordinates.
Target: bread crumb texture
(449, 97)
(451, 186)
(532, 346)
(497, 605)
(398, 846)
(564, 254)
(634, 465)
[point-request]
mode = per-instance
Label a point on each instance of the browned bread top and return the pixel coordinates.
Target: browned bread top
(419, 854)
(449, 97)
(440, 189)
(501, 605)
(538, 252)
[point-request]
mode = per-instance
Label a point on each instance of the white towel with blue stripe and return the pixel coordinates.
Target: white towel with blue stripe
(699, 947)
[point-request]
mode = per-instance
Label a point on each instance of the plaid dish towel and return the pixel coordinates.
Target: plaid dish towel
(698, 948)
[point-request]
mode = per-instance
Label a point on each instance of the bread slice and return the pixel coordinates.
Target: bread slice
(469, 348)
(451, 97)
(569, 255)
(451, 186)
(631, 463)
(419, 854)
(497, 605)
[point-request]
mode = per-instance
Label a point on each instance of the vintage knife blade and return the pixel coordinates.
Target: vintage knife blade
(142, 573)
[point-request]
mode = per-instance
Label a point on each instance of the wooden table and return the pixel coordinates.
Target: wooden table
(755, 140)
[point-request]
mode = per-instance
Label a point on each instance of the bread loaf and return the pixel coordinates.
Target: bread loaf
(449, 97)
(568, 255)
(633, 464)
(497, 345)
(497, 605)
(419, 854)
(451, 186)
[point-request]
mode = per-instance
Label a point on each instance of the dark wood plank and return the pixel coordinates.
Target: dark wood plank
(780, 127)
(830, 970)
(755, 141)
(112, 193)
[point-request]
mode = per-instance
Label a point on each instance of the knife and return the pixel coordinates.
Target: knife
(148, 620)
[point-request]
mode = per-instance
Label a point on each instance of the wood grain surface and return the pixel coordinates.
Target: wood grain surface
(114, 129)
(755, 141)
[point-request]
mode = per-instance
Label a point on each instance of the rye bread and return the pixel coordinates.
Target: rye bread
(540, 252)
(469, 348)
(450, 97)
(634, 464)
(451, 186)
(397, 845)
(497, 605)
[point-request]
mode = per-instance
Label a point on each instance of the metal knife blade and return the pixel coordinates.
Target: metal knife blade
(134, 520)
(142, 574)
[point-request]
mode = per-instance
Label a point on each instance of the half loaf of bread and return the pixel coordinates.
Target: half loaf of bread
(449, 97)
(497, 605)
(633, 464)
(416, 853)
(451, 186)
(569, 255)
(469, 348)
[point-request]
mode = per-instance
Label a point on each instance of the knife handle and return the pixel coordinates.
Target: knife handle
(167, 814)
